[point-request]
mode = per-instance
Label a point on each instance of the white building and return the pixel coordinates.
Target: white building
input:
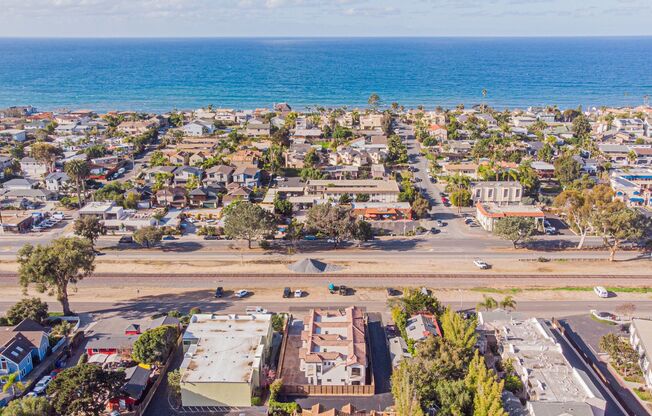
(640, 336)
(378, 191)
(334, 350)
(13, 135)
(497, 192)
(552, 385)
(488, 214)
(224, 358)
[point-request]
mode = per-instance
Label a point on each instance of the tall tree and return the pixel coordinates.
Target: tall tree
(404, 392)
(90, 228)
(458, 331)
(487, 390)
(373, 101)
(333, 221)
(65, 261)
(616, 223)
(154, 345)
(46, 153)
(148, 236)
(28, 308)
(515, 229)
(567, 169)
(78, 171)
(83, 390)
(28, 406)
(248, 221)
(579, 206)
(488, 303)
(12, 382)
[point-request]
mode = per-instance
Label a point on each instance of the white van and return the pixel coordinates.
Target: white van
(601, 291)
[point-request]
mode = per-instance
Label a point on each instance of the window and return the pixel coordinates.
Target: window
(505, 193)
(328, 380)
(355, 371)
(94, 350)
(518, 193)
(3, 364)
(490, 193)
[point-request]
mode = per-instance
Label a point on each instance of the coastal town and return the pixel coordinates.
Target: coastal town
(383, 260)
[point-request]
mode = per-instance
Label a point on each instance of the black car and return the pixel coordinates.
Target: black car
(392, 292)
(219, 292)
(287, 292)
(344, 291)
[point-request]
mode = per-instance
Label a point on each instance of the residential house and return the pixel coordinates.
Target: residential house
(465, 169)
(219, 176)
(183, 174)
(133, 128)
(254, 129)
(57, 182)
(224, 357)
(378, 171)
(334, 349)
(340, 172)
(6, 162)
(117, 335)
(544, 170)
(438, 132)
(22, 347)
(497, 192)
(33, 168)
(19, 184)
(197, 159)
(204, 197)
(13, 135)
(247, 176)
(633, 126)
(172, 196)
(422, 326)
(235, 192)
(198, 128)
(16, 222)
(383, 211)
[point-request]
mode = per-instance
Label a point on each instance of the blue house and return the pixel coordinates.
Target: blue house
(22, 347)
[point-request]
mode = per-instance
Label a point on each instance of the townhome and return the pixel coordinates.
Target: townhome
(334, 349)
(497, 192)
(197, 158)
(643, 155)
(438, 132)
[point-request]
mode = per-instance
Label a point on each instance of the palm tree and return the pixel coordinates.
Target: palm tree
(78, 170)
(487, 304)
(11, 381)
(508, 302)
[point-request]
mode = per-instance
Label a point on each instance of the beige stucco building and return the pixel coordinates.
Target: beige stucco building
(224, 357)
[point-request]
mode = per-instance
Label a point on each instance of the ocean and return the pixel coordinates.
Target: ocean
(164, 74)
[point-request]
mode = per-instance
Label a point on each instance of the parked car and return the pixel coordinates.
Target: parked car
(241, 293)
(434, 230)
(344, 291)
(126, 239)
(298, 293)
(169, 237)
(42, 385)
(211, 237)
(287, 292)
(310, 237)
(481, 264)
(601, 291)
(255, 309)
(551, 231)
(392, 292)
(219, 292)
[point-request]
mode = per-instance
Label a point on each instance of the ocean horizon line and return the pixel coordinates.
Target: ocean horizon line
(334, 37)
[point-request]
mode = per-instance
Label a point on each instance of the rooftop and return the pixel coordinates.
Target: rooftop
(227, 349)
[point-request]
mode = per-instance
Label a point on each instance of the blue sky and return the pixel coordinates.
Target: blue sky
(176, 18)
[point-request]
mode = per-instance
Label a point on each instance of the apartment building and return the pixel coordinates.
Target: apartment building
(640, 336)
(378, 190)
(497, 192)
(333, 347)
